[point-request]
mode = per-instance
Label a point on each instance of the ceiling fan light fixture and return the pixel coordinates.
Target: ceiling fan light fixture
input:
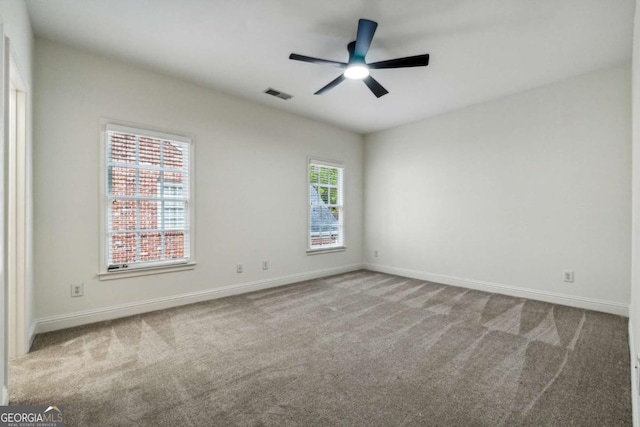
(357, 68)
(356, 72)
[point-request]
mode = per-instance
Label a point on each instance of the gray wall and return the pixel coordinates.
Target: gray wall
(250, 179)
(506, 195)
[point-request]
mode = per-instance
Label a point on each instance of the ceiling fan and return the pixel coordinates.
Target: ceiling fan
(357, 68)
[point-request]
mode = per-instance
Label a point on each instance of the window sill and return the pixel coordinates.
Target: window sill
(123, 274)
(326, 251)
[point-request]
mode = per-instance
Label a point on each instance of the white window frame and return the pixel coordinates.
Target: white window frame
(142, 268)
(342, 245)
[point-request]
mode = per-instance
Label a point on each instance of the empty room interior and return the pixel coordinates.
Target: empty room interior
(354, 213)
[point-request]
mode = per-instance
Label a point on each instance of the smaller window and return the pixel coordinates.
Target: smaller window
(326, 209)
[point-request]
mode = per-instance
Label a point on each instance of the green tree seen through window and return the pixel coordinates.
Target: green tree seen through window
(324, 175)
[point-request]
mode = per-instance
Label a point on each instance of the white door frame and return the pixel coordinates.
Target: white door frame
(4, 138)
(16, 213)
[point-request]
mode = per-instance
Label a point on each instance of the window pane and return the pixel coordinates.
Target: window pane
(122, 181)
(149, 183)
(335, 212)
(123, 215)
(314, 174)
(324, 194)
(150, 215)
(314, 195)
(324, 175)
(174, 245)
(175, 215)
(123, 248)
(333, 196)
(150, 247)
(173, 190)
(315, 239)
(174, 187)
(123, 147)
(173, 158)
(149, 151)
(333, 176)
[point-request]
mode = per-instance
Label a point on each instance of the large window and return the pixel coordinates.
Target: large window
(147, 199)
(326, 211)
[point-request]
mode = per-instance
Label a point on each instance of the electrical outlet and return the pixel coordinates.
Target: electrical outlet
(265, 265)
(77, 290)
(239, 268)
(568, 276)
(375, 253)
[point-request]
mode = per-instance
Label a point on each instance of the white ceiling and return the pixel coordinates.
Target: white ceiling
(480, 49)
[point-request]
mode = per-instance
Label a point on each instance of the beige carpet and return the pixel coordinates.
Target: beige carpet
(359, 349)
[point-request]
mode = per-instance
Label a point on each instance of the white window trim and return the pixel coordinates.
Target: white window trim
(155, 132)
(343, 247)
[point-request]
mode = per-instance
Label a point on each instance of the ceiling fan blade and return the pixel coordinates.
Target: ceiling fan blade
(366, 30)
(375, 87)
(331, 85)
(409, 61)
(303, 58)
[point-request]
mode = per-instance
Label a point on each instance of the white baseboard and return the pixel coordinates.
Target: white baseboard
(552, 297)
(634, 377)
(31, 335)
(70, 320)
(5, 396)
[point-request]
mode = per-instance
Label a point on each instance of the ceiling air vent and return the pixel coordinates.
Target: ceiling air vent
(278, 94)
